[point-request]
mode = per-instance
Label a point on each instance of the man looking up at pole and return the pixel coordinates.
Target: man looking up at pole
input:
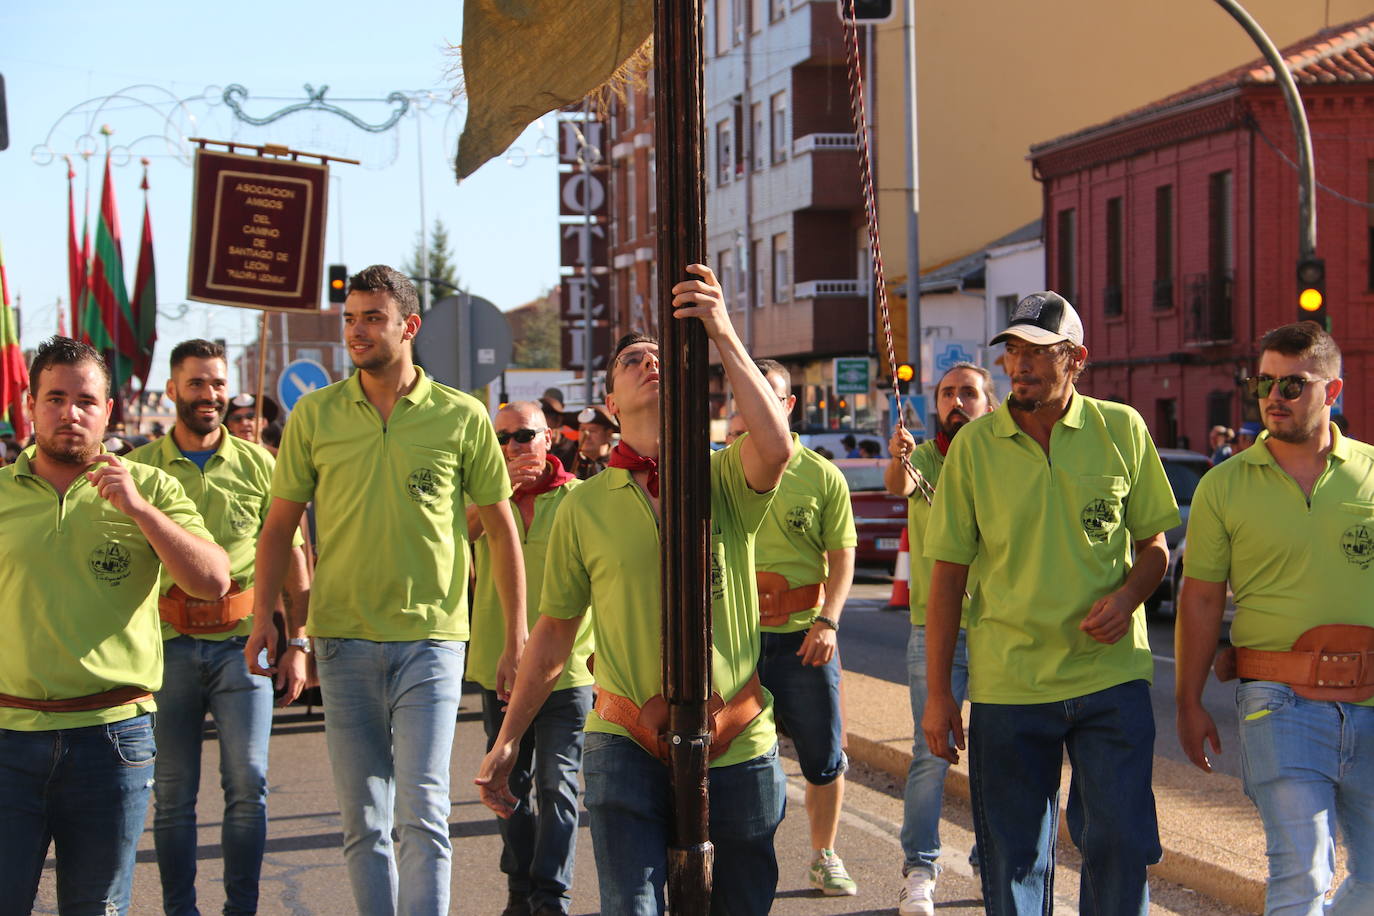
(536, 850)
(804, 566)
(1290, 521)
(964, 393)
(83, 539)
(604, 553)
(1052, 494)
(230, 481)
(387, 456)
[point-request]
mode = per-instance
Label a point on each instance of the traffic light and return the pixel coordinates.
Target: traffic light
(904, 376)
(338, 284)
(1312, 291)
(867, 11)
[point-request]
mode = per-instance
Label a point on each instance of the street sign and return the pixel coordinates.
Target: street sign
(950, 352)
(851, 375)
(299, 378)
(464, 341)
(913, 413)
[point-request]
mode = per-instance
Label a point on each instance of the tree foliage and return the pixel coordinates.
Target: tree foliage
(537, 342)
(443, 264)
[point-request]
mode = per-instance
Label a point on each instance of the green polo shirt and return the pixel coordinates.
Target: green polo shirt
(811, 514)
(80, 584)
(1294, 562)
(488, 621)
(391, 532)
(927, 459)
(1054, 534)
(604, 553)
(232, 495)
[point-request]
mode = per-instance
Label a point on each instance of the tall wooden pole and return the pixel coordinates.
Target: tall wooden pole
(684, 451)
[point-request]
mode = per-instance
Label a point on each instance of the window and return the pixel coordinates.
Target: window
(1065, 241)
(756, 263)
(1164, 247)
(725, 151)
(777, 9)
(756, 128)
(756, 20)
(721, 11)
(1370, 232)
(741, 131)
(782, 272)
(653, 182)
(1005, 306)
(725, 268)
(1111, 296)
(777, 107)
(630, 107)
(1220, 241)
(737, 13)
(631, 202)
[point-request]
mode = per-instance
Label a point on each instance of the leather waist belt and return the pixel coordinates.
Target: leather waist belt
(194, 616)
(647, 724)
(116, 696)
(1333, 662)
(777, 602)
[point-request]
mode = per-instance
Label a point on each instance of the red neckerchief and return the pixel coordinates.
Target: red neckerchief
(622, 456)
(942, 442)
(558, 476)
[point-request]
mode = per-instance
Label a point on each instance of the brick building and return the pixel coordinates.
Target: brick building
(1174, 230)
(632, 212)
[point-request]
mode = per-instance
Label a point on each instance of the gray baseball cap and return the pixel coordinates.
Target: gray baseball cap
(1043, 318)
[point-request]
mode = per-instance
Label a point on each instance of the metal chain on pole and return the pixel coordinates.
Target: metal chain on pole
(860, 115)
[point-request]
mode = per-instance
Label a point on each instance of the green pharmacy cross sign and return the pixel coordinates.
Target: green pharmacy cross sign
(851, 375)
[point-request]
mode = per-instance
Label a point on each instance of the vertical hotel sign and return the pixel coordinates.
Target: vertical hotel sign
(584, 293)
(257, 232)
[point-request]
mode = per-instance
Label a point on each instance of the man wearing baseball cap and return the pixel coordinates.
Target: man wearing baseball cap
(596, 430)
(1064, 503)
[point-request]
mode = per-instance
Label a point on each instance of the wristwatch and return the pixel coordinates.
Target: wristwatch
(300, 642)
(833, 624)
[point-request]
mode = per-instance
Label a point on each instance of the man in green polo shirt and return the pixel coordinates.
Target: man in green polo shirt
(84, 537)
(1063, 501)
(1290, 522)
(604, 553)
(388, 456)
(964, 393)
(536, 848)
(230, 482)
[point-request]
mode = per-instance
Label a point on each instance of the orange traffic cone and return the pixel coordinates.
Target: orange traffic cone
(901, 577)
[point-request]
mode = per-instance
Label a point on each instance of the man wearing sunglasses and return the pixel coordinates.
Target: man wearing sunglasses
(388, 456)
(537, 850)
(1290, 522)
(1063, 502)
(604, 552)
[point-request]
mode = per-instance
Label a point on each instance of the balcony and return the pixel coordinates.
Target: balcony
(823, 141)
(1207, 316)
(825, 289)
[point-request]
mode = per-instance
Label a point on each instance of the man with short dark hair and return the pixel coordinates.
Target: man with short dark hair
(1290, 523)
(83, 539)
(964, 393)
(387, 456)
(604, 553)
(1063, 500)
(230, 482)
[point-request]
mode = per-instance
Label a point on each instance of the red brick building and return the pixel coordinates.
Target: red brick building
(1174, 230)
(632, 214)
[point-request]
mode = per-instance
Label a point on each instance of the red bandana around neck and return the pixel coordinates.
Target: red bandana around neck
(622, 456)
(942, 442)
(556, 478)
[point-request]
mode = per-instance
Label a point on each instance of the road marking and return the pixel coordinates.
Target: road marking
(1167, 659)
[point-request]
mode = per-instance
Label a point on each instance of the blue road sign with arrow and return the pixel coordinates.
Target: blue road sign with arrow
(298, 379)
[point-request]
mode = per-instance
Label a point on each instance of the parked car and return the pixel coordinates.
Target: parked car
(1184, 469)
(879, 517)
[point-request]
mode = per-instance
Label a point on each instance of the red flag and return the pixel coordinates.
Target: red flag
(76, 258)
(144, 302)
(14, 374)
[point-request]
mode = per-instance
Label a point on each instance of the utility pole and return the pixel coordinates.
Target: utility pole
(913, 203)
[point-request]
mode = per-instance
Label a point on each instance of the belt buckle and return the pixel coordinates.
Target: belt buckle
(1340, 669)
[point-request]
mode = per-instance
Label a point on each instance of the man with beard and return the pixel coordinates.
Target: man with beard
(964, 393)
(230, 481)
(1063, 501)
(595, 429)
(83, 538)
(536, 848)
(388, 455)
(1290, 522)
(604, 554)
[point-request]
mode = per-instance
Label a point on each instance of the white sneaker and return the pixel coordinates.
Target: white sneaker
(917, 897)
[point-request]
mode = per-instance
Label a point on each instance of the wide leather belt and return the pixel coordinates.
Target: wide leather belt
(1332, 662)
(777, 602)
(194, 616)
(115, 696)
(648, 724)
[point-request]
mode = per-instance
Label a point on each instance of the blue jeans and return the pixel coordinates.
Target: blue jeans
(86, 790)
(537, 850)
(1015, 755)
(806, 701)
(925, 777)
(390, 710)
(1309, 767)
(200, 676)
(630, 808)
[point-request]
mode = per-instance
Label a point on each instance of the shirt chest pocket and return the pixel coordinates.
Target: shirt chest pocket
(1356, 524)
(801, 517)
(117, 551)
(242, 514)
(1101, 506)
(430, 475)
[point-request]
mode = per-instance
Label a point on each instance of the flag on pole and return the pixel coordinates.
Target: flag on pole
(145, 295)
(76, 258)
(14, 374)
(79, 330)
(107, 318)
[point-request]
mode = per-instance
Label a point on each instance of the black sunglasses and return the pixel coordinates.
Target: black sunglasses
(1290, 386)
(520, 435)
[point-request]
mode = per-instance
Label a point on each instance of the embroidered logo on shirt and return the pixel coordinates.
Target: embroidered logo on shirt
(1099, 520)
(423, 486)
(110, 562)
(240, 519)
(800, 518)
(1358, 544)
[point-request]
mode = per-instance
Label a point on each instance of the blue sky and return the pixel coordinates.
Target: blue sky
(56, 55)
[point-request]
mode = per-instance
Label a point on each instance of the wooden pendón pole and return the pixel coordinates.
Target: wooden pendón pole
(684, 450)
(262, 377)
